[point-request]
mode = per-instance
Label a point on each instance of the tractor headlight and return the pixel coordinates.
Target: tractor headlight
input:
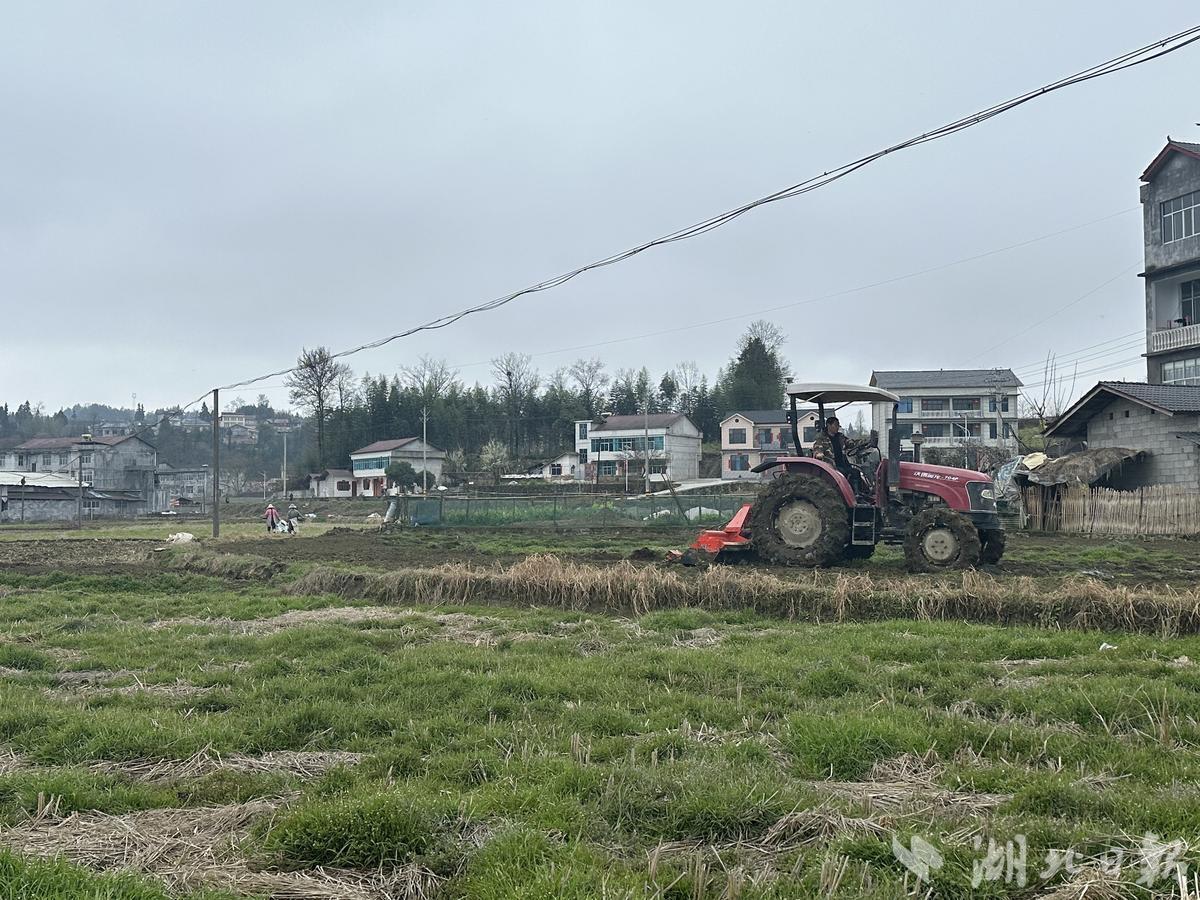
(983, 495)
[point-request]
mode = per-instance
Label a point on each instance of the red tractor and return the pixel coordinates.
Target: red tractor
(814, 514)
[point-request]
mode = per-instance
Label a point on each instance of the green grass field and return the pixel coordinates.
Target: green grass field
(166, 733)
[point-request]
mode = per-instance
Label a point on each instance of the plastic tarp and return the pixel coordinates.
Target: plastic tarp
(1084, 467)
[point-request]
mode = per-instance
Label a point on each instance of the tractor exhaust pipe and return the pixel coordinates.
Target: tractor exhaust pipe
(917, 439)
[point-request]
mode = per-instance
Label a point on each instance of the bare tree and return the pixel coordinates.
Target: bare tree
(589, 376)
(311, 385)
(769, 333)
(1049, 398)
(516, 382)
(431, 378)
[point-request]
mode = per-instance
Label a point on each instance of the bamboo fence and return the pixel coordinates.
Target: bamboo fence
(1159, 509)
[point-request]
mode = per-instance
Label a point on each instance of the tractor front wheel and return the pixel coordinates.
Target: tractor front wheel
(800, 520)
(940, 539)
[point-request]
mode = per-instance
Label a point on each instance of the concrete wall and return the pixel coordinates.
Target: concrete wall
(62, 511)
(1180, 175)
(1171, 460)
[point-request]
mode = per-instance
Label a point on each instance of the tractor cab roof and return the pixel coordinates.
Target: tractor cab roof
(839, 393)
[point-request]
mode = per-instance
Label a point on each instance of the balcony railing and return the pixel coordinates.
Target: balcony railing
(1175, 338)
(769, 446)
(949, 414)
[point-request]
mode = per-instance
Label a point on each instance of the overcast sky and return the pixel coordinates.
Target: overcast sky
(190, 193)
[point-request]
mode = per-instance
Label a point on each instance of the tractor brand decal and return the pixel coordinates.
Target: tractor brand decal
(934, 476)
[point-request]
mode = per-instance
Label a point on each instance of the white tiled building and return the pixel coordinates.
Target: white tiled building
(950, 407)
(369, 464)
(749, 437)
(616, 446)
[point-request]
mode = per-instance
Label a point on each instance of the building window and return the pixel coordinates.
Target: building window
(1181, 371)
(343, 486)
(608, 468)
(966, 404)
(1179, 217)
(85, 459)
(1003, 404)
(737, 435)
(933, 403)
(934, 429)
(905, 431)
(739, 462)
(810, 434)
(364, 465)
(45, 459)
(583, 429)
(905, 405)
(658, 467)
(91, 505)
(555, 469)
(1189, 301)
(62, 459)
(583, 456)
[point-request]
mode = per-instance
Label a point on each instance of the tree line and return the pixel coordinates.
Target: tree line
(528, 413)
(524, 413)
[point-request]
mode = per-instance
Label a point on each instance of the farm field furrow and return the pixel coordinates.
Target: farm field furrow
(230, 721)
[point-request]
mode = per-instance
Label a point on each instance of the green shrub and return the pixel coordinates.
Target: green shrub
(366, 830)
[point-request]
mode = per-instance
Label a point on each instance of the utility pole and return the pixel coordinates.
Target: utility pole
(216, 463)
(283, 473)
(424, 450)
(646, 434)
(79, 499)
(264, 475)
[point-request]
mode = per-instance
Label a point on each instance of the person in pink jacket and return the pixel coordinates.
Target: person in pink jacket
(272, 517)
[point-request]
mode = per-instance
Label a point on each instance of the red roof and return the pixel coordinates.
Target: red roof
(66, 443)
(1192, 150)
(48, 443)
(384, 446)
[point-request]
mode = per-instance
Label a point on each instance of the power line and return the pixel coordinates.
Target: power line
(1071, 353)
(1058, 310)
(1127, 60)
(1059, 361)
(830, 296)
(1107, 367)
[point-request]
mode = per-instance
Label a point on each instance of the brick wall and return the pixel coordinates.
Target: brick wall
(1171, 460)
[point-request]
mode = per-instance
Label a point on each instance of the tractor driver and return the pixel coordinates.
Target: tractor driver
(834, 447)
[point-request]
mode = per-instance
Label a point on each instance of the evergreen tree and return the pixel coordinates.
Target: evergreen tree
(756, 376)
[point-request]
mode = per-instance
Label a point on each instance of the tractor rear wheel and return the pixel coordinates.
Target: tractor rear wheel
(993, 545)
(800, 520)
(940, 539)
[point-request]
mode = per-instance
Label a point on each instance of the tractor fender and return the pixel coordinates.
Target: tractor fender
(806, 465)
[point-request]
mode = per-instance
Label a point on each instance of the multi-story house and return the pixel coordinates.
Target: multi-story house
(124, 464)
(616, 447)
(369, 464)
(749, 437)
(1171, 235)
(949, 406)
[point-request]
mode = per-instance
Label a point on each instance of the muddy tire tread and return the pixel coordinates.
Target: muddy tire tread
(830, 546)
